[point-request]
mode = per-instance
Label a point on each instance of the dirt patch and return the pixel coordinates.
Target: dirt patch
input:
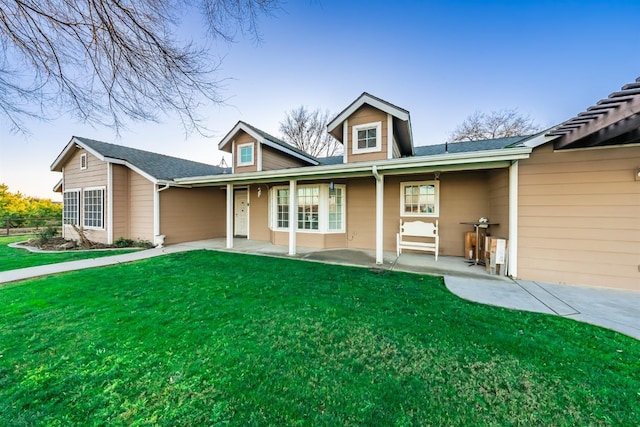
(62, 244)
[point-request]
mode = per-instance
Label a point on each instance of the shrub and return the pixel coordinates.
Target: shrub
(121, 242)
(47, 233)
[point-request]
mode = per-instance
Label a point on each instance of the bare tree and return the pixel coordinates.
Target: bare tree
(307, 130)
(110, 60)
(497, 124)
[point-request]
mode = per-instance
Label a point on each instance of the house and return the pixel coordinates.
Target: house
(113, 191)
(567, 200)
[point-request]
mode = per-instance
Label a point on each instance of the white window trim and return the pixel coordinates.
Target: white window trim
(240, 147)
(323, 209)
(354, 138)
(83, 161)
(435, 214)
(78, 191)
(104, 205)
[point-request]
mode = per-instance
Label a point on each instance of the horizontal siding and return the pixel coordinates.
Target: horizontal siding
(259, 213)
(363, 115)
(499, 202)
(140, 207)
(243, 138)
(95, 175)
(579, 217)
(273, 160)
(189, 214)
(120, 179)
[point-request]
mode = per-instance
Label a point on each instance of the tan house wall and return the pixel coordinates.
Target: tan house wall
(498, 212)
(242, 138)
(188, 214)
(95, 175)
(361, 214)
(259, 213)
(120, 180)
(579, 216)
(463, 198)
(140, 207)
(274, 159)
(363, 115)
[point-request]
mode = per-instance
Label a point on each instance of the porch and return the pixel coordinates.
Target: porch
(410, 262)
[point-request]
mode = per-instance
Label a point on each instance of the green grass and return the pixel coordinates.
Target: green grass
(209, 338)
(14, 258)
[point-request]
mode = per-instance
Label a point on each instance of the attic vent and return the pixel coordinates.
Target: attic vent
(83, 161)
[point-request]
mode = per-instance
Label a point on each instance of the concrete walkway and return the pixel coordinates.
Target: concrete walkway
(613, 309)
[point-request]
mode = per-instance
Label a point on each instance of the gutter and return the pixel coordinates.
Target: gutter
(158, 239)
(441, 162)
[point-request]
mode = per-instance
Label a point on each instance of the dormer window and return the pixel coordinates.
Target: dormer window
(245, 154)
(83, 161)
(367, 138)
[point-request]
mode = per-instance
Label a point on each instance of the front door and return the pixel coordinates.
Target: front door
(241, 213)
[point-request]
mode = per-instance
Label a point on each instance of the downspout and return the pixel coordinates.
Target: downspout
(379, 214)
(513, 219)
(158, 239)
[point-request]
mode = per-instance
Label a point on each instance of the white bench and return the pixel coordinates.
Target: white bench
(418, 230)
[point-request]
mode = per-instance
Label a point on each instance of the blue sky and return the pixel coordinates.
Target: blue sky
(440, 60)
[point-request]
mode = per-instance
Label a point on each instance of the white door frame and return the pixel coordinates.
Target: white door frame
(240, 192)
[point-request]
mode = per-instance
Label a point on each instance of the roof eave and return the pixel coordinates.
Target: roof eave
(462, 161)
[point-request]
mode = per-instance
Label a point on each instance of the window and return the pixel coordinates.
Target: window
(71, 207)
(282, 208)
(336, 209)
(308, 203)
(319, 208)
(367, 137)
(419, 198)
(83, 161)
(94, 208)
(245, 154)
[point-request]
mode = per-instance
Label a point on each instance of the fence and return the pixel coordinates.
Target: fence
(20, 226)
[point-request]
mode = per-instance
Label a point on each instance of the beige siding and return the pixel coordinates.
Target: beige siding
(140, 207)
(363, 115)
(579, 217)
(273, 159)
(499, 202)
(244, 138)
(259, 213)
(95, 175)
(464, 197)
(188, 214)
(120, 178)
(361, 214)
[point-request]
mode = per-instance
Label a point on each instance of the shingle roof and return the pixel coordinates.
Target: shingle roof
(157, 165)
(468, 146)
(333, 160)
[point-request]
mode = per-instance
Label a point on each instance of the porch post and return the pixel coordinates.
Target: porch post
(292, 217)
(513, 219)
(229, 216)
(379, 215)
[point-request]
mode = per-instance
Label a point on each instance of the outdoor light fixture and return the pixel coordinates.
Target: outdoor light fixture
(331, 187)
(638, 174)
(259, 192)
(436, 175)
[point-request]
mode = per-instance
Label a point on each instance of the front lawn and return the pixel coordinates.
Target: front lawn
(14, 258)
(211, 338)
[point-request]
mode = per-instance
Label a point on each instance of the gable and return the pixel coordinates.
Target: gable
(400, 121)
